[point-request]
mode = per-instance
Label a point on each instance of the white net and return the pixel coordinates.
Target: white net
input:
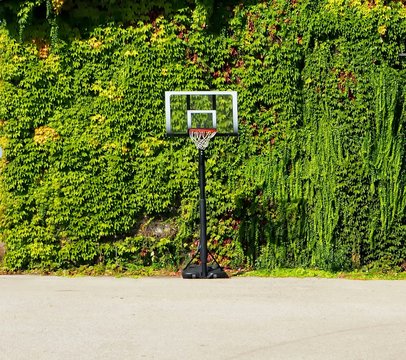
(201, 137)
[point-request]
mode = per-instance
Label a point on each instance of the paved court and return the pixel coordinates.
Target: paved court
(169, 318)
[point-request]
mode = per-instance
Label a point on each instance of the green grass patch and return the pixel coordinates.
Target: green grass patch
(311, 273)
(99, 270)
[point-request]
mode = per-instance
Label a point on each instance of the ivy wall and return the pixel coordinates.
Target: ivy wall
(316, 177)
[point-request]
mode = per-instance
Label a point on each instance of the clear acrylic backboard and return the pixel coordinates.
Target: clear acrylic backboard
(201, 109)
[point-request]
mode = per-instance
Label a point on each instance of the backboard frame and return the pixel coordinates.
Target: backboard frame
(191, 112)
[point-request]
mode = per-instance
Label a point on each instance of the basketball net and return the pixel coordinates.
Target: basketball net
(201, 137)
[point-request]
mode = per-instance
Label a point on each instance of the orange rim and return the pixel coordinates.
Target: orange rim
(202, 130)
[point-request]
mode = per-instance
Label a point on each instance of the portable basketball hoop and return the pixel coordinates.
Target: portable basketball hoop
(201, 115)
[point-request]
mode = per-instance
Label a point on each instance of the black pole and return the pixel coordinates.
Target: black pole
(203, 237)
(204, 271)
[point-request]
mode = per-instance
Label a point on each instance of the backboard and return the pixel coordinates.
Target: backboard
(201, 109)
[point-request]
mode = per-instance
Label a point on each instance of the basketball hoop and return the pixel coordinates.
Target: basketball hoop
(201, 136)
(201, 115)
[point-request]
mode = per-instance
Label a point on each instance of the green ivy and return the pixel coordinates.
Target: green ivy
(315, 179)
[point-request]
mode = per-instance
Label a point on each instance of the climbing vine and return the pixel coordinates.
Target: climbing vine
(316, 177)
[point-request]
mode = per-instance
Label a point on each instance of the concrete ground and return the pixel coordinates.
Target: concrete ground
(171, 318)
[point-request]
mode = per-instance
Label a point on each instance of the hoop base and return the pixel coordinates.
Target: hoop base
(213, 272)
(195, 271)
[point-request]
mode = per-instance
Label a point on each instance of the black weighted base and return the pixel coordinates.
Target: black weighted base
(194, 271)
(197, 271)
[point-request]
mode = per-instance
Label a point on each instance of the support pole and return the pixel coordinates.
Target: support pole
(203, 225)
(203, 270)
